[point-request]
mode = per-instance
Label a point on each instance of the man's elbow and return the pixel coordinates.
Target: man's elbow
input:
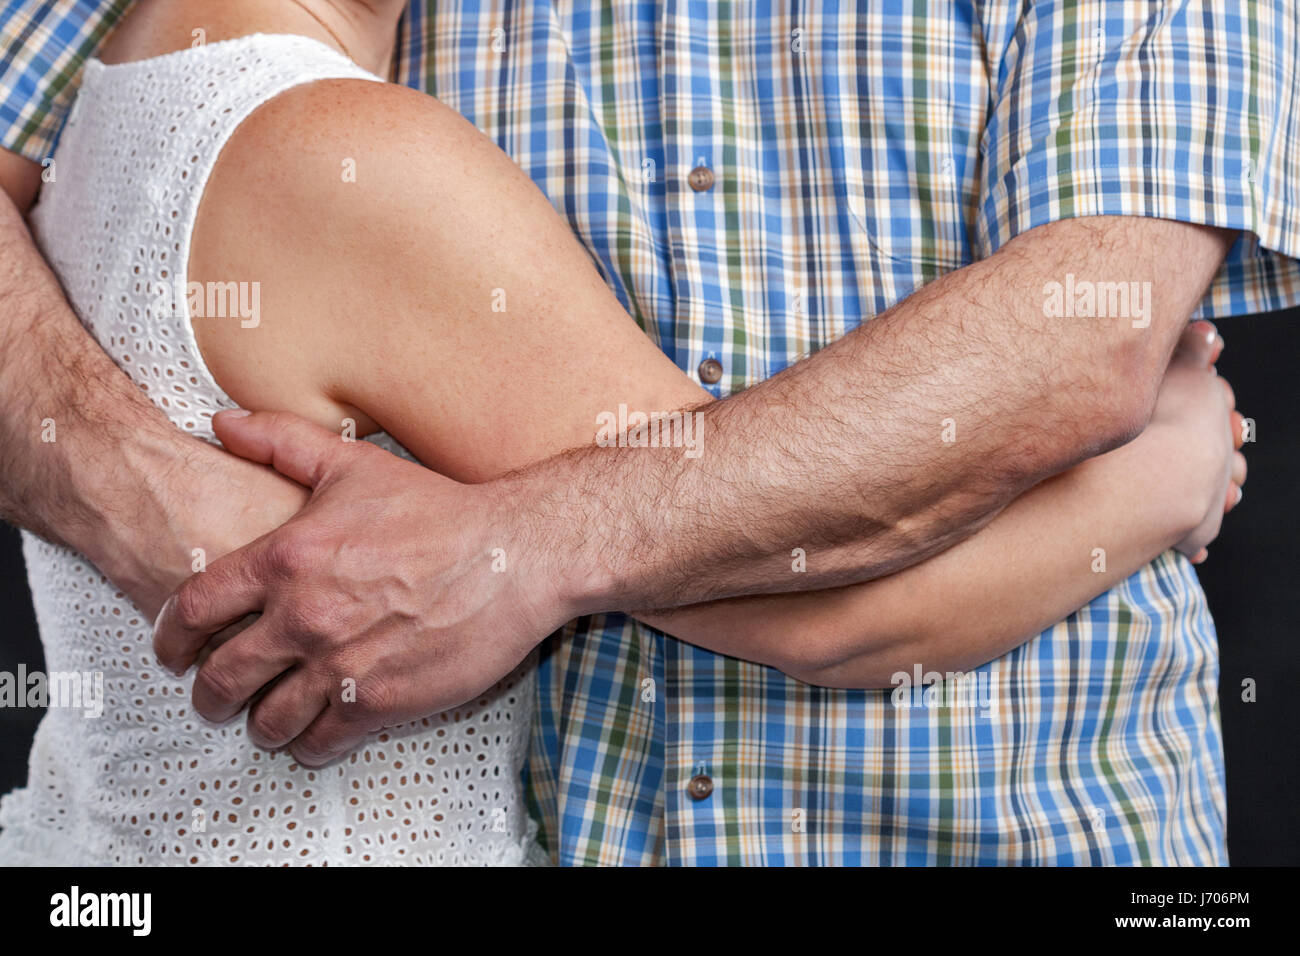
(1126, 409)
(1104, 407)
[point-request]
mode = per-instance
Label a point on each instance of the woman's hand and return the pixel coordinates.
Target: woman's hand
(1200, 408)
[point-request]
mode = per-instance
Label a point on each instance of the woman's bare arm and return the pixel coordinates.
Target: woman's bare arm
(1051, 551)
(437, 295)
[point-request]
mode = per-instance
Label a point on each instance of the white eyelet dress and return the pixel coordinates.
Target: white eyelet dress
(149, 782)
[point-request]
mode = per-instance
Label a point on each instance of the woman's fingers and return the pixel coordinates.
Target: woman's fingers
(287, 709)
(1199, 343)
(1238, 475)
(1232, 398)
(1238, 429)
(1235, 480)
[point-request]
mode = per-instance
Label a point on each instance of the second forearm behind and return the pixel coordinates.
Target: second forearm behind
(1052, 550)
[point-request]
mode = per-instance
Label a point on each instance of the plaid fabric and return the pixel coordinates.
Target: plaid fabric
(859, 151)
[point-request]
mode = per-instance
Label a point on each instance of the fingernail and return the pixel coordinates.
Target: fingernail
(235, 413)
(1240, 494)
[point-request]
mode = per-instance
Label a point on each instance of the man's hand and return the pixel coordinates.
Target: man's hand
(394, 594)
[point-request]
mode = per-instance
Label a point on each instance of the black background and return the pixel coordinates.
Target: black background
(1250, 580)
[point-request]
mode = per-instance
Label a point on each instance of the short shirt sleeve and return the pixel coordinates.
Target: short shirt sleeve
(1177, 109)
(43, 46)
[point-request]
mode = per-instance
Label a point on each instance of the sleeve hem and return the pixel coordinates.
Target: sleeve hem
(1262, 270)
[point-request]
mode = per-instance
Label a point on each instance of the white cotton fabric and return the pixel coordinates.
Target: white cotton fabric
(149, 781)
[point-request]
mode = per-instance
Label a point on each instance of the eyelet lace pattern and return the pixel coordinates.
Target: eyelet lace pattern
(149, 781)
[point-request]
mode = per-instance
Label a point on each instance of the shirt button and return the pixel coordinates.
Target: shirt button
(700, 787)
(701, 178)
(710, 371)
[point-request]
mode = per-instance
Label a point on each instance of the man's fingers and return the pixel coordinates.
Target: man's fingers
(230, 589)
(238, 669)
(287, 709)
(293, 446)
(330, 735)
(225, 634)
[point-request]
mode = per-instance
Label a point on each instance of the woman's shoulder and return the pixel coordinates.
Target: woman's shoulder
(323, 194)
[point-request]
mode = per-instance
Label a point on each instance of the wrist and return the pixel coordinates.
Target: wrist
(128, 519)
(570, 555)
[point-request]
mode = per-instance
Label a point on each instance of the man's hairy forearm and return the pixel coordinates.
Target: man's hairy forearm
(83, 452)
(890, 445)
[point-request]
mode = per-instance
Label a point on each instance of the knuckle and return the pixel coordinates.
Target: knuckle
(307, 620)
(292, 550)
(269, 724)
(190, 606)
(376, 699)
(314, 747)
(218, 681)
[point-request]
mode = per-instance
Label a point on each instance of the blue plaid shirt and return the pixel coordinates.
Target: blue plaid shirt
(858, 150)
